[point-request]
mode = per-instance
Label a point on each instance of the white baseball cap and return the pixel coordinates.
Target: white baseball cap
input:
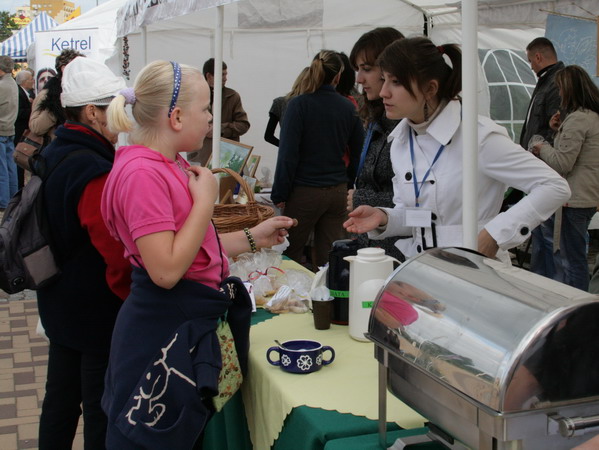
(89, 82)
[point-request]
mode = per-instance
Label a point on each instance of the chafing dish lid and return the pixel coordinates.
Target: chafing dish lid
(508, 338)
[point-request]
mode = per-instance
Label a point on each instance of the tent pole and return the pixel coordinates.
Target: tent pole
(218, 86)
(469, 123)
(144, 40)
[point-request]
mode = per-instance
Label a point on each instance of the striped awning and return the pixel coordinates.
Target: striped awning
(16, 46)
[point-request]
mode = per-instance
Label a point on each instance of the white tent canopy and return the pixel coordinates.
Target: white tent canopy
(267, 42)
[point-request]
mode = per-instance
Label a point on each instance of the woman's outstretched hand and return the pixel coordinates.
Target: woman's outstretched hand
(365, 218)
(272, 231)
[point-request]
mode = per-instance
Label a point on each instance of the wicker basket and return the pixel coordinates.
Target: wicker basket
(235, 217)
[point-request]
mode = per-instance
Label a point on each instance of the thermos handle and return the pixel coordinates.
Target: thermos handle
(269, 351)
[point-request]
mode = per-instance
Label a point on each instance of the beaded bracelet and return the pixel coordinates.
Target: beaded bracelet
(248, 235)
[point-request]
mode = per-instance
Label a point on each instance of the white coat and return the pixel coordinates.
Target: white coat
(501, 163)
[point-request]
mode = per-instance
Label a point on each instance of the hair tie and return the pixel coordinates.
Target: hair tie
(441, 49)
(129, 95)
(176, 87)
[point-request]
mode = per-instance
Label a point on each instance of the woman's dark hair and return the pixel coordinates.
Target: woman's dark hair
(324, 68)
(370, 45)
(418, 60)
(347, 81)
(577, 90)
(73, 113)
(65, 57)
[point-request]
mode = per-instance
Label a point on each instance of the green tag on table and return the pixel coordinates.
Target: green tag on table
(339, 294)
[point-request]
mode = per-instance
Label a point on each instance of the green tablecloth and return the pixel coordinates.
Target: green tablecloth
(371, 441)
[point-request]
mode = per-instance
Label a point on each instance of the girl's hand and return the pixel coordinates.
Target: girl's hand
(365, 218)
(272, 231)
(202, 184)
(486, 244)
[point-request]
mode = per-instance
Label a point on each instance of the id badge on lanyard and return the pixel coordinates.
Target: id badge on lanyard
(418, 216)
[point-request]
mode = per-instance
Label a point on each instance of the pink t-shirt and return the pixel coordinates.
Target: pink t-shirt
(146, 193)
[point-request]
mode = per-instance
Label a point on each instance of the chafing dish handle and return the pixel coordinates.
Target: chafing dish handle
(575, 426)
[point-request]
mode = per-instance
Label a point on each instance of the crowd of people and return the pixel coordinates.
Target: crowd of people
(134, 232)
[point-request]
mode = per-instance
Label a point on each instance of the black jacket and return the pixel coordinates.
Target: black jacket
(317, 129)
(545, 102)
(78, 311)
(22, 122)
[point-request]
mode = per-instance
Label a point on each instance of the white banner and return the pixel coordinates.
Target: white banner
(49, 44)
(137, 13)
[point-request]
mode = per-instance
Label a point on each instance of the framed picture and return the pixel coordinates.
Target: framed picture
(252, 165)
(233, 155)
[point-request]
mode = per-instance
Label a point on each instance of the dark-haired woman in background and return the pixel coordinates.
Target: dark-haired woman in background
(575, 156)
(347, 80)
(311, 179)
(374, 182)
(426, 153)
(46, 111)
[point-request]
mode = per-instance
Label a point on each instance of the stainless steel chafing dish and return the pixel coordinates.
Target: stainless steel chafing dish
(494, 356)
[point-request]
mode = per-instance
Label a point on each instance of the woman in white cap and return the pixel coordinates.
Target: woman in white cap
(78, 311)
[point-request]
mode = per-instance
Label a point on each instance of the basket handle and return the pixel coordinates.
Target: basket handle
(239, 179)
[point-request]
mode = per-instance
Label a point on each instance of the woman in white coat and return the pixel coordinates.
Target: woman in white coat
(426, 155)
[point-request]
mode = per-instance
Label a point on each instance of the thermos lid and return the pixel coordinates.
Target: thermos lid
(371, 254)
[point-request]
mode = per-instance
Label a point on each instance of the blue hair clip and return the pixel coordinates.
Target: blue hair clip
(176, 86)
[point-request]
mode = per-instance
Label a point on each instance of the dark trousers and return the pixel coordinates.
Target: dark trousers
(75, 379)
(322, 210)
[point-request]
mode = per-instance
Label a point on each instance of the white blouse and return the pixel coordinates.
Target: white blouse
(501, 163)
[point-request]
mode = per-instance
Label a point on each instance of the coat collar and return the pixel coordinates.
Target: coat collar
(442, 129)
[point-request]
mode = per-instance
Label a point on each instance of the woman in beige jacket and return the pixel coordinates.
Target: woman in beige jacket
(575, 156)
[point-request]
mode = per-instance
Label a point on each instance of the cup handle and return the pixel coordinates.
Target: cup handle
(269, 351)
(329, 361)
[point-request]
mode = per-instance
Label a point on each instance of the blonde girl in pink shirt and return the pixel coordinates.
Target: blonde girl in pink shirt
(160, 207)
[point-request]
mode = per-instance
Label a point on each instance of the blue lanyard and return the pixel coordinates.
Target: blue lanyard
(367, 140)
(417, 188)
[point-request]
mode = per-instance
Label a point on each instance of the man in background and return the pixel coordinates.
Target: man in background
(545, 99)
(9, 106)
(24, 80)
(544, 103)
(234, 119)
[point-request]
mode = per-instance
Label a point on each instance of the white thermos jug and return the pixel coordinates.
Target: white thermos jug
(368, 271)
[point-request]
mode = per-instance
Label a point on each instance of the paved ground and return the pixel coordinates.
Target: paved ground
(23, 364)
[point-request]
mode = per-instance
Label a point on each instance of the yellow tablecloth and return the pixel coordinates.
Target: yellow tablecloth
(348, 385)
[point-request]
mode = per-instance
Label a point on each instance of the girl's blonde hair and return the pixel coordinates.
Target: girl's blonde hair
(153, 89)
(297, 84)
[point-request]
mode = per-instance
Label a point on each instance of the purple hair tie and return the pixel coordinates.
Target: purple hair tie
(129, 95)
(176, 86)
